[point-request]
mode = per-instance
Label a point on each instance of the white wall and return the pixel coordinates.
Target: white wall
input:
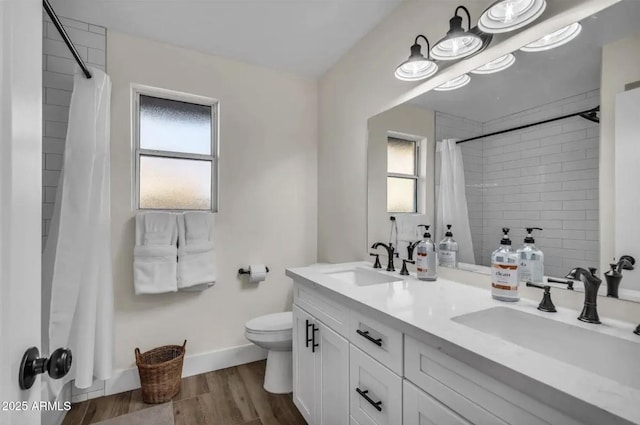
(619, 67)
(361, 85)
(267, 194)
(57, 81)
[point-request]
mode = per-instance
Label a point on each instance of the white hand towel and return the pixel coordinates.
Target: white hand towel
(408, 231)
(155, 254)
(196, 253)
(408, 226)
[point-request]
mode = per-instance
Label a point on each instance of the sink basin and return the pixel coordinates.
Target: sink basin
(604, 355)
(362, 277)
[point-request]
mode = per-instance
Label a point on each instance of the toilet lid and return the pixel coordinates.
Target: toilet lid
(271, 322)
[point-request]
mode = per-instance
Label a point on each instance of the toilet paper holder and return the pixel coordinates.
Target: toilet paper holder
(247, 271)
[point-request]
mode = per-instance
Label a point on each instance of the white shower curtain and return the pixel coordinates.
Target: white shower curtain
(76, 263)
(451, 205)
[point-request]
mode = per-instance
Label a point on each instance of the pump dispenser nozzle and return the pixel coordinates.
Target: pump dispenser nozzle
(505, 237)
(426, 230)
(529, 238)
(449, 234)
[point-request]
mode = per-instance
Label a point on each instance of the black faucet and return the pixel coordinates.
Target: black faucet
(614, 275)
(390, 253)
(591, 285)
(411, 247)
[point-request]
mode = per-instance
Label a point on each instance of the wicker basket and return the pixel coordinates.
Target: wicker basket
(160, 372)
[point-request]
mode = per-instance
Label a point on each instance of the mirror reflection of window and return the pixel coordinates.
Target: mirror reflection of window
(402, 175)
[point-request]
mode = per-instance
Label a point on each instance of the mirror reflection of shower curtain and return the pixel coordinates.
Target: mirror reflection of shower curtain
(451, 205)
(76, 262)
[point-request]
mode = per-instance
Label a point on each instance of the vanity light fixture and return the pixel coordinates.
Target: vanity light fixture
(496, 65)
(417, 67)
(508, 15)
(555, 39)
(455, 83)
(458, 43)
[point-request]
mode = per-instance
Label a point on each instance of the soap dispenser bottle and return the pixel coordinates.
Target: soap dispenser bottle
(505, 276)
(531, 259)
(426, 257)
(448, 250)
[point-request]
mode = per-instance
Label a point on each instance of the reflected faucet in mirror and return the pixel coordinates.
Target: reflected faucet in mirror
(390, 252)
(614, 275)
(591, 283)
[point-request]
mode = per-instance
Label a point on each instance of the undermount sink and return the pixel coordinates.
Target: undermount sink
(362, 277)
(602, 354)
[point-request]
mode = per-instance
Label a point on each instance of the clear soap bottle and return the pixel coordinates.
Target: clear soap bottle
(531, 259)
(448, 250)
(426, 257)
(505, 276)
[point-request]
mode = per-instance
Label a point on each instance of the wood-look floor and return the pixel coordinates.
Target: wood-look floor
(232, 396)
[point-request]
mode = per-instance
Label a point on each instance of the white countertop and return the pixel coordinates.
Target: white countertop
(430, 306)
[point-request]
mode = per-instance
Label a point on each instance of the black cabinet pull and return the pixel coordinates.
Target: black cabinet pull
(308, 340)
(365, 334)
(313, 338)
(364, 395)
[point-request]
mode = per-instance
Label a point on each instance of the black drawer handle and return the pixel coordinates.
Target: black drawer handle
(365, 334)
(313, 338)
(364, 395)
(308, 340)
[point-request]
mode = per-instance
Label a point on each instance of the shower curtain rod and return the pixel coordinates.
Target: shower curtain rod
(65, 37)
(590, 114)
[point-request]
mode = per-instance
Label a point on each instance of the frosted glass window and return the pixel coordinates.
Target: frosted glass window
(171, 125)
(401, 156)
(175, 150)
(171, 183)
(402, 175)
(401, 195)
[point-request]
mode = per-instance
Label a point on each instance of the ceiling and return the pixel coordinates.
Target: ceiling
(304, 37)
(540, 78)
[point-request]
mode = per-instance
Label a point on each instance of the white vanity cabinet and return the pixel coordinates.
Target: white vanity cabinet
(320, 371)
(371, 369)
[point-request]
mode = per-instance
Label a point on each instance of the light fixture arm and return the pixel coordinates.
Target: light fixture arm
(415, 43)
(468, 15)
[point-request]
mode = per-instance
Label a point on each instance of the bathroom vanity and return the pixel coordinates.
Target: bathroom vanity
(376, 348)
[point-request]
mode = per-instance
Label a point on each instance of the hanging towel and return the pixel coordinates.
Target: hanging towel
(196, 254)
(155, 254)
(408, 226)
(408, 231)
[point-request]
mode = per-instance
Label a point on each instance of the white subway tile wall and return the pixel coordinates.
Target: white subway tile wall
(544, 176)
(57, 81)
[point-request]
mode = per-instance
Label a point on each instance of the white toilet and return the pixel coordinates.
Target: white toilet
(274, 333)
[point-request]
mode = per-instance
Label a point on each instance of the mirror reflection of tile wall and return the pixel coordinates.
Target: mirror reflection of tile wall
(545, 176)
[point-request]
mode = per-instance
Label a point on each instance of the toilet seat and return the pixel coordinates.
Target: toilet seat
(277, 323)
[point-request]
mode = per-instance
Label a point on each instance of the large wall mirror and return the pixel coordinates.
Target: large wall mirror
(544, 175)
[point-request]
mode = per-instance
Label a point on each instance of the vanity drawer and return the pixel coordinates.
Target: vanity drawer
(332, 313)
(375, 391)
(465, 390)
(419, 408)
(380, 341)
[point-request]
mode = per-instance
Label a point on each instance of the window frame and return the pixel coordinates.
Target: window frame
(416, 177)
(141, 90)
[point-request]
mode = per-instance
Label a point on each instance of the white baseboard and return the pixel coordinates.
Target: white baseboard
(128, 379)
